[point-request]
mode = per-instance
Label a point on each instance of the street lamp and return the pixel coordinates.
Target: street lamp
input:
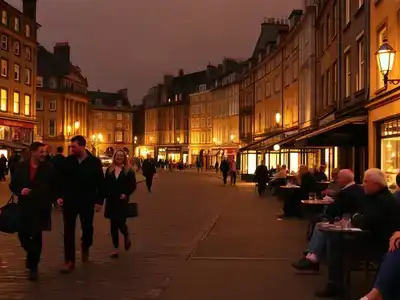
(385, 57)
(96, 140)
(278, 118)
(232, 137)
(178, 139)
(69, 129)
(77, 124)
(277, 147)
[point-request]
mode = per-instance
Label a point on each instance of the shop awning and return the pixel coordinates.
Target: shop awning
(351, 130)
(259, 144)
(12, 145)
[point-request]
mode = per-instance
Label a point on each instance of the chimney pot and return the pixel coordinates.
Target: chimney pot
(29, 8)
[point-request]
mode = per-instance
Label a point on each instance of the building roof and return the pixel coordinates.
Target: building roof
(50, 65)
(110, 100)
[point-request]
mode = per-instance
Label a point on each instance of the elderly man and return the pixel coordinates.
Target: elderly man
(347, 201)
(379, 215)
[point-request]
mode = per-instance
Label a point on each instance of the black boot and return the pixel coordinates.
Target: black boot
(33, 275)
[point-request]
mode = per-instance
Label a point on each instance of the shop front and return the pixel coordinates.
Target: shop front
(200, 153)
(384, 143)
(174, 153)
(343, 143)
(15, 135)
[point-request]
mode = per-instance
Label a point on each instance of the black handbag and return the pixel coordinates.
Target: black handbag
(10, 217)
(131, 210)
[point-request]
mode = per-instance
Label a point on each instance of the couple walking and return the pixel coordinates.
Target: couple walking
(79, 187)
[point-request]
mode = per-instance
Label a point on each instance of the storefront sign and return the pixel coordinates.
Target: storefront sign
(326, 120)
(15, 124)
(173, 149)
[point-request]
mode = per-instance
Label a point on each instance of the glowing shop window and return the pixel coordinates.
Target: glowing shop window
(252, 163)
(336, 155)
(273, 160)
(266, 159)
(294, 162)
(390, 159)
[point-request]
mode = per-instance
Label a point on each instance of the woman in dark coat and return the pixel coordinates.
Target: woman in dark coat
(120, 183)
(35, 184)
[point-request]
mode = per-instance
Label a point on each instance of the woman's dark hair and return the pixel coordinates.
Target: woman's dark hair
(80, 140)
(398, 180)
(60, 149)
(36, 145)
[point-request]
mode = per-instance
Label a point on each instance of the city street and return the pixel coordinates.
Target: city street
(194, 239)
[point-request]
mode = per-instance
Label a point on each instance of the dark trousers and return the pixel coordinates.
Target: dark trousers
(86, 214)
(224, 176)
(32, 244)
(115, 227)
(262, 186)
(233, 177)
(149, 181)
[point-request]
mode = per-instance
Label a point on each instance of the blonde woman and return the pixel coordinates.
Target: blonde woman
(120, 183)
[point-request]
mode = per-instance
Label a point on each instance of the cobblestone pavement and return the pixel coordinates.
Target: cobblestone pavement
(194, 239)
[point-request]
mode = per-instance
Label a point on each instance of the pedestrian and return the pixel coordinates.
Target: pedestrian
(36, 185)
(149, 169)
(59, 160)
(3, 167)
(83, 180)
(232, 171)
(120, 183)
(262, 178)
(13, 162)
(224, 169)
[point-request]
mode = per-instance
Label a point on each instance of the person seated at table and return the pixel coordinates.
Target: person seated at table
(279, 178)
(333, 187)
(291, 206)
(346, 201)
(397, 192)
(378, 216)
(386, 285)
(319, 174)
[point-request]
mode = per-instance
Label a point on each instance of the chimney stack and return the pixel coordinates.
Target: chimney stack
(29, 9)
(62, 50)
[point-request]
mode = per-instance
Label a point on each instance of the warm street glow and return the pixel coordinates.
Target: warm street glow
(232, 137)
(100, 137)
(77, 124)
(178, 139)
(385, 58)
(277, 147)
(69, 129)
(278, 118)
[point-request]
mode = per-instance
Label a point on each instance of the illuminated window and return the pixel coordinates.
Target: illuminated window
(27, 105)
(4, 17)
(16, 103)
(4, 99)
(27, 30)
(347, 71)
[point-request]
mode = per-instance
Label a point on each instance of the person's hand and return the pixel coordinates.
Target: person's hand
(25, 192)
(60, 202)
(123, 197)
(394, 241)
(97, 207)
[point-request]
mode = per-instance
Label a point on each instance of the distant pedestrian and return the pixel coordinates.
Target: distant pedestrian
(233, 171)
(262, 178)
(59, 160)
(83, 185)
(224, 169)
(149, 169)
(120, 183)
(216, 167)
(36, 185)
(3, 167)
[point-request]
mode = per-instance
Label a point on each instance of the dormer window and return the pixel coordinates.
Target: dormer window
(53, 83)
(202, 87)
(98, 101)
(119, 103)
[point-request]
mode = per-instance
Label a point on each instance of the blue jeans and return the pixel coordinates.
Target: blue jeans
(318, 243)
(387, 281)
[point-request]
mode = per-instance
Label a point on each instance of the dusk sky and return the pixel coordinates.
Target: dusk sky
(132, 43)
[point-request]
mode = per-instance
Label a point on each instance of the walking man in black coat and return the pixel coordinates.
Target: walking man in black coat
(35, 183)
(82, 178)
(149, 169)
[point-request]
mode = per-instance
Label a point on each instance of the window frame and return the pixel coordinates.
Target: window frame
(16, 108)
(1, 100)
(27, 104)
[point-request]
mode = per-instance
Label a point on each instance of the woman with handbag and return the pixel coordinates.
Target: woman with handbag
(120, 183)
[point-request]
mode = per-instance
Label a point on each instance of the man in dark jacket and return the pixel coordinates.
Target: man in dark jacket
(36, 185)
(379, 215)
(262, 178)
(149, 169)
(347, 201)
(59, 159)
(83, 178)
(224, 169)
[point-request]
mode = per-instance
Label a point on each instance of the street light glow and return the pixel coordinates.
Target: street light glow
(77, 124)
(277, 147)
(278, 118)
(100, 137)
(385, 57)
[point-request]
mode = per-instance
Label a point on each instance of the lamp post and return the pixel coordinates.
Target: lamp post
(96, 141)
(385, 58)
(134, 145)
(278, 119)
(77, 124)
(232, 138)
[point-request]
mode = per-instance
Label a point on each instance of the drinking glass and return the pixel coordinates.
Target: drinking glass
(346, 218)
(311, 196)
